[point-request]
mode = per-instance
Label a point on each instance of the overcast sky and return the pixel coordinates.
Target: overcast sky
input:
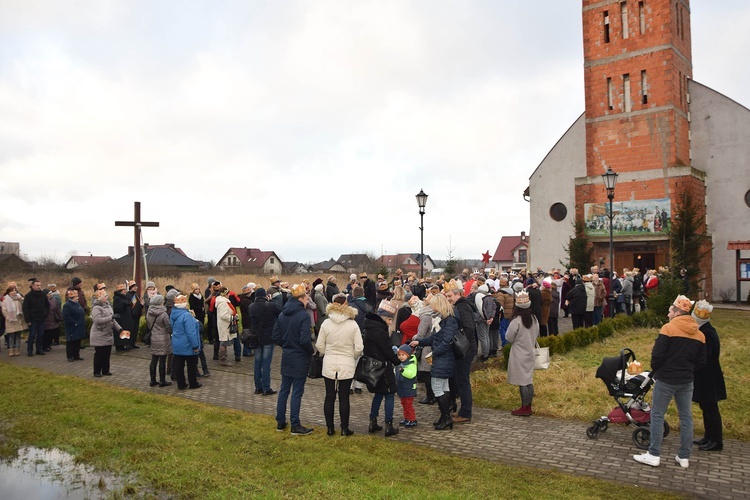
(303, 127)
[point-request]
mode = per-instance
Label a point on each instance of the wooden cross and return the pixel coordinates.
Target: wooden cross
(137, 223)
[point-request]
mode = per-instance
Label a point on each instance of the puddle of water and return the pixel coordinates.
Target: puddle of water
(50, 474)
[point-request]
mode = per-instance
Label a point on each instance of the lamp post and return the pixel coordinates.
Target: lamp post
(422, 202)
(610, 180)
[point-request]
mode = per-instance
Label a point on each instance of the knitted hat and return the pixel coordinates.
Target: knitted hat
(406, 348)
(702, 310)
(298, 290)
(386, 309)
(319, 287)
(683, 303)
(522, 300)
(547, 283)
(260, 292)
(150, 284)
(352, 277)
(172, 293)
(211, 280)
(517, 286)
(157, 300)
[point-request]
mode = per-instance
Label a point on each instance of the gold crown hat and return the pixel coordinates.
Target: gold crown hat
(274, 279)
(522, 300)
(703, 309)
(298, 290)
(180, 299)
(453, 286)
(683, 303)
(386, 309)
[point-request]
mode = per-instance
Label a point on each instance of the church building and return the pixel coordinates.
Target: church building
(664, 134)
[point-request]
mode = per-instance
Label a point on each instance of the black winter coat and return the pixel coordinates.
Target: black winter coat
(378, 346)
(331, 290)
(370, 291)
(535, 297)
(465, 315)
(577, 300)
(709, 384)
(292, 333)
(35, 306)
(246, 299)
(262, 314)
(122, 314)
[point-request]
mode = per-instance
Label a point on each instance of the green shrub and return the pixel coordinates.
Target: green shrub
(668, 290)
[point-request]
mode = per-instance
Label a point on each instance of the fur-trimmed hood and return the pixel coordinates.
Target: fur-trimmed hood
(339, 313)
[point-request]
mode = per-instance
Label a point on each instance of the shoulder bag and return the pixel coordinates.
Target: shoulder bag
(460, 344)
(146, 338)
(541, 357)
(369, 371)
(316, 366)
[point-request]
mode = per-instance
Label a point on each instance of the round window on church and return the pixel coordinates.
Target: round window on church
(558, 211)
(747, 198)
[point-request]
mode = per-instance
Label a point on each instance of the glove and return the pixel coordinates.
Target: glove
(395, 349)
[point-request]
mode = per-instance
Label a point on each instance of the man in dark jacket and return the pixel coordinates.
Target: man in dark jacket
(331, 288)
(35, 311)
(262, 314)
(369, 287)
(292, 333)
(576, 302)
(466, 318)
(679, 350)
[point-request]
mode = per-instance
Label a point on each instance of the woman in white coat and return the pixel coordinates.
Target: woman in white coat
(225, 314)
(522, 333)
(340, 343)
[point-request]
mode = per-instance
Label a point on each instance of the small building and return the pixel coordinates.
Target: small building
(10, 247)
(251, 261)
(512, 253)
(293, 267)
(166, 255)
(76, 261)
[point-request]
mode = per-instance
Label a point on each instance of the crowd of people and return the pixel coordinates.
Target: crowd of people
(406, 326)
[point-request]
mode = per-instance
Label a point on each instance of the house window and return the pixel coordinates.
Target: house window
(610, 92)
(606, 26)
(644, 87)
(677, 16)
(642, 18)
(624, 17)
(272, 260)
(628, 105)
(522, 256)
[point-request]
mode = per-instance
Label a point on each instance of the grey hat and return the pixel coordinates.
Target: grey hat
(150, 284)
(171, 294)
(157, 300)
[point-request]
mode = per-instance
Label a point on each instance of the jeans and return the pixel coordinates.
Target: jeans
(389, 403)
(662, 395)
(463, 382)
(36, 334)
(598, 314)
(503, 328)
(14, 340)
(440, 386)
(483, 337)
(297, 388)
(237, 348)
(263, 358)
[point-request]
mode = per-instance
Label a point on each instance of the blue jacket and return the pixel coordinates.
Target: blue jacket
(292, 333)
(443, 361)
(406, 378)
(74, 318)
(186, 338)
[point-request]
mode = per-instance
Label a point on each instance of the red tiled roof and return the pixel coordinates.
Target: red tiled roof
(738, 245)
(251, 257)
(506, 246)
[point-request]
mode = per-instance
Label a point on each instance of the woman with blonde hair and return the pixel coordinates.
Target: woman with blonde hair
(445, 327)
(101, 335)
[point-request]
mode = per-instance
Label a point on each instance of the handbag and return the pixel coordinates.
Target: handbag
(233, 327)
(369, 371)
(146, 338)
(316, 366)
(541, 357)
(460, 344)
(249, 339)
(396, 338)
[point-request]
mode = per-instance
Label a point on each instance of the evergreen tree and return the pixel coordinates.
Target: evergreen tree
(689, 242)
(579, 250)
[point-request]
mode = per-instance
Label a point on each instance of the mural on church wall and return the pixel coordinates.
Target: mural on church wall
(630, 218)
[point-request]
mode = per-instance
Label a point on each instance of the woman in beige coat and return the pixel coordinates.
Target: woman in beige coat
(14, 323)
(225, 311)
(340, 344)
(101, 336)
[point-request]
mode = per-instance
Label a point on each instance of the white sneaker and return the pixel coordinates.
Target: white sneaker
(684, 462)
(649, 459)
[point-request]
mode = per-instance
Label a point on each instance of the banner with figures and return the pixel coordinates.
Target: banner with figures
(630, 218)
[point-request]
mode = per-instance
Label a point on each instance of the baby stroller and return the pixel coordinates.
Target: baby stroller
(628, 392)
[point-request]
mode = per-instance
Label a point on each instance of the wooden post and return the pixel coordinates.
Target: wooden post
(137, 223)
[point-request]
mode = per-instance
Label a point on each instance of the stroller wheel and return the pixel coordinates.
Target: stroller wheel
(603, 427)
(592, 432)
(666, 429)
(642, 437)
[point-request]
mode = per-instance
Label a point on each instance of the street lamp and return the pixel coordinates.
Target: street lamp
(610, 180)
(422, 202)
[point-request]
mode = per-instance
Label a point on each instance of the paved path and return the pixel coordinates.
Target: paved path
(541, 442)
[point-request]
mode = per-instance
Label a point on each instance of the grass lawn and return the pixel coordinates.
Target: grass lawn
(570, 389)
(184, 449)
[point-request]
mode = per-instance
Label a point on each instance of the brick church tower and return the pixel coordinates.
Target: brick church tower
(637, 63)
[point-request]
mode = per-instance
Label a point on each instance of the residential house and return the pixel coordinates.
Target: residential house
(77, 261)
(166, 255)
(406, 262)
(250, 261)
(293, 267)
(512, 253)
(329, 266)
(355, 262)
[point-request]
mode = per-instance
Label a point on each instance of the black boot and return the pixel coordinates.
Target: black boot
(152, 372)
(390, 430)
(374, 427)
(445, 422)
(331, 430)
